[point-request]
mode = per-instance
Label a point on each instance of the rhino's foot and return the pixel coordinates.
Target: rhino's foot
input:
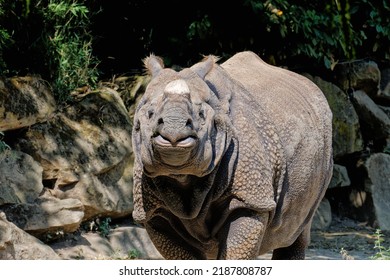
(295, 251)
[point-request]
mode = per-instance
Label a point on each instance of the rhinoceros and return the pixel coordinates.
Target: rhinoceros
(231, 160)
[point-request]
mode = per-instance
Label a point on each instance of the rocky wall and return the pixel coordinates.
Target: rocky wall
(60, 166)
(358, 94)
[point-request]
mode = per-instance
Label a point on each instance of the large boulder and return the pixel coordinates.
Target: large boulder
(47, 218)
(24, 101)
(358, 75)
(347, 137)
(88, 142)
(385, 84)
(107, 194)
(21, 198)
(378, 170)
(385, 109)
(120, 243)
(374, 121)
(340, 177)
(21, 178)
(16, 244)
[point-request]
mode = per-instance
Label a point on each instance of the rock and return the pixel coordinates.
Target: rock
(386, 146)
(21, 178)
(24, 101)
(123, 242)
(340, 177)
(131, 89)
(347, 137)
(89, 137)
(107, 194)
(374, 121)
(385, 84)
(15, 244)
(84, 151)
(134, 239)
(385, 109)
(358, 75)
(378, 169)
(47, 218)
(323, 216)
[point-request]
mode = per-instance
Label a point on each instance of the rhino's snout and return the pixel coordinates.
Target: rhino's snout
(175, 139)
(175, 131)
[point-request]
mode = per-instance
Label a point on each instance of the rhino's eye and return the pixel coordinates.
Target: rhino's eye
(150, 114)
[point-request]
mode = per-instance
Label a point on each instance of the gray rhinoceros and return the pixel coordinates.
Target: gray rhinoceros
(231, 160)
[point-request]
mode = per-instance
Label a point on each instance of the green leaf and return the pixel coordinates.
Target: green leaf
(327, 62)
(354, 9)
(379, 29)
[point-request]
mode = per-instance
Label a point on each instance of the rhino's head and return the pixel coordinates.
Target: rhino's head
(177, 128)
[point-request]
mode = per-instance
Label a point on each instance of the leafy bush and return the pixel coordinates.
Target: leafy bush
(285, 31)
(61, 39)
(319, 30)
(376, 26)
(104, 227)
(4, 39)
(69, 44)
(325, 31)
(50, 38)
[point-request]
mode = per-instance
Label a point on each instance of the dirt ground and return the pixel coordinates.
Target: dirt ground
(344, 239)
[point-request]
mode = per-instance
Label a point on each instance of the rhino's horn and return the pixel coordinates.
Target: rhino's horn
(153, 64)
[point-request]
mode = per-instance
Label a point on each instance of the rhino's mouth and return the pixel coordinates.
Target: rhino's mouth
(186, 142)
(175, 153)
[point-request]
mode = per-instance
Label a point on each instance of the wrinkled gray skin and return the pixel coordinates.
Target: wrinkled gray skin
(231, 160)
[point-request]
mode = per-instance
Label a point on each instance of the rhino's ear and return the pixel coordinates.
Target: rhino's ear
(205, 66)
(153, 64)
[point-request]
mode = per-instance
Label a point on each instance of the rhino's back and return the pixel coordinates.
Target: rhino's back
(295, 104)
(302, 119)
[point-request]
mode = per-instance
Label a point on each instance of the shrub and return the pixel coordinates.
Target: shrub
(382, 253)
(294, 31)
(54, 37)
(50, 38)
(326, 31)
(69, 45)
(5, 39)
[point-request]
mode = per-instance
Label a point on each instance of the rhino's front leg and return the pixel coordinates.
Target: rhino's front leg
(170, 248)
(242, 236)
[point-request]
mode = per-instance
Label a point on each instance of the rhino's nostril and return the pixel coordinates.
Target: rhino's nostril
(189, 124)
(160, 121)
